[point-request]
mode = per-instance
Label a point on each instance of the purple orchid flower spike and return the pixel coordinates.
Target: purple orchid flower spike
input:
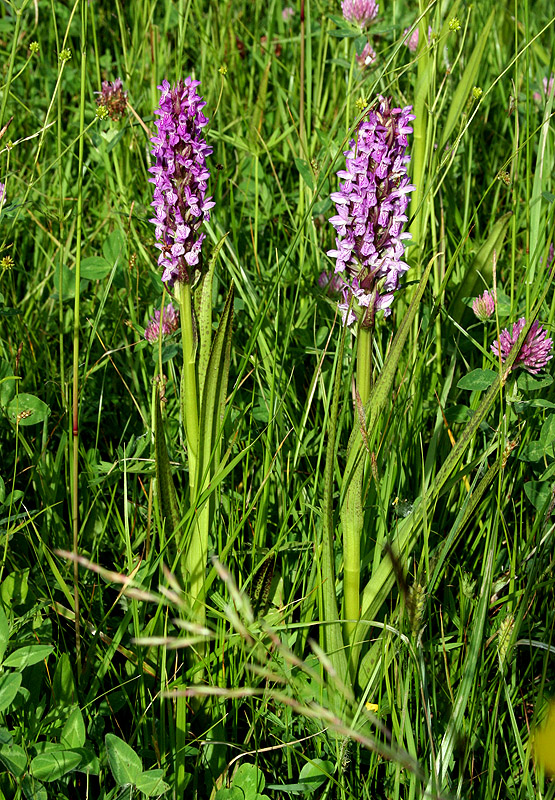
(371, 207)
(180, 181)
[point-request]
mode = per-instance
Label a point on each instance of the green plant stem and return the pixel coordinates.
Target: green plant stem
(15, 43)
(76, 328)
(353, 513)
(189, 400)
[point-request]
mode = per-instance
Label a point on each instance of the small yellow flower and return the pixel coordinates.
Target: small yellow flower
(371, 706)
(361, 104)
(223, 70)
(454, 24)
(477, 92)
(544, 742)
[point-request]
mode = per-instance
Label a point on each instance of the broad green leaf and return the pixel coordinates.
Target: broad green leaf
(63, 687)
(530, 383)
(9, 686)
(33, 789)
(533, 451)
(467, 82)
(316, 772)
(124, 762)
(95, 268)
(114, 247)
(28, 655)
(52, 765)
(305, 171)
(15, 588)
(477, 380)
(250, 779)
(151, 783)
(89, 760)
(4, 633)
(230, 794)
(8, 383)
(26, 409)
(5, 736)
(538, 493)
(14, 759)
(547, 434)
(73, 732)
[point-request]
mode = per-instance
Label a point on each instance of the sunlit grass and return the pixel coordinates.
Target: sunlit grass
(455, 651)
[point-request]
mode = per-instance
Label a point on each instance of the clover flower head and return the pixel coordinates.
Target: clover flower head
(484, 306)
(361, 12)
(113, 98)
(367, 57)
(180, 181)
(371, 207)
(170, 323)
(536, 348)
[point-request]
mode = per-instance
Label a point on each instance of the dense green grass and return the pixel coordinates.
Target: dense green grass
(457, 543)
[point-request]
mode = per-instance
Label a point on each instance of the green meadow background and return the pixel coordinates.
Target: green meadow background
(457, 662)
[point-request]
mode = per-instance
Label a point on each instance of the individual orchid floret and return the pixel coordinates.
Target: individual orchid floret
(2, 194)
(287, 13)
(180, 181)
(371, 207)
(536, 348)
(162, 324)
(550, 256)
(412, 40)
(367, 57)
(484, 306)
(361, 12)
(548, 89)
(332, 284)
(113, 98)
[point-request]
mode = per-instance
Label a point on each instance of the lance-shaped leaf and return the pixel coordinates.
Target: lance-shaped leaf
(204, 316)
(332, 636)
(481, 268)
(211, 418)
(166, 489)
(467, 82)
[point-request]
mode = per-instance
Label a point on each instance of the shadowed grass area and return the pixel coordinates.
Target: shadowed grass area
(112, 684)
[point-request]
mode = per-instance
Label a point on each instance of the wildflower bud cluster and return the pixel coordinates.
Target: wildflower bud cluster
(112, 98)
(180, 181)
(371, 209)
(484, 306)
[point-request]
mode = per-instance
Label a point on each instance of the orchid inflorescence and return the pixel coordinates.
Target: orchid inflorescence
(371, 207)
(180, 181)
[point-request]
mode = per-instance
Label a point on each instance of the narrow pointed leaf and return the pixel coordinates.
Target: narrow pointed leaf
(166, 489)
(467, 82)
(204, 316)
